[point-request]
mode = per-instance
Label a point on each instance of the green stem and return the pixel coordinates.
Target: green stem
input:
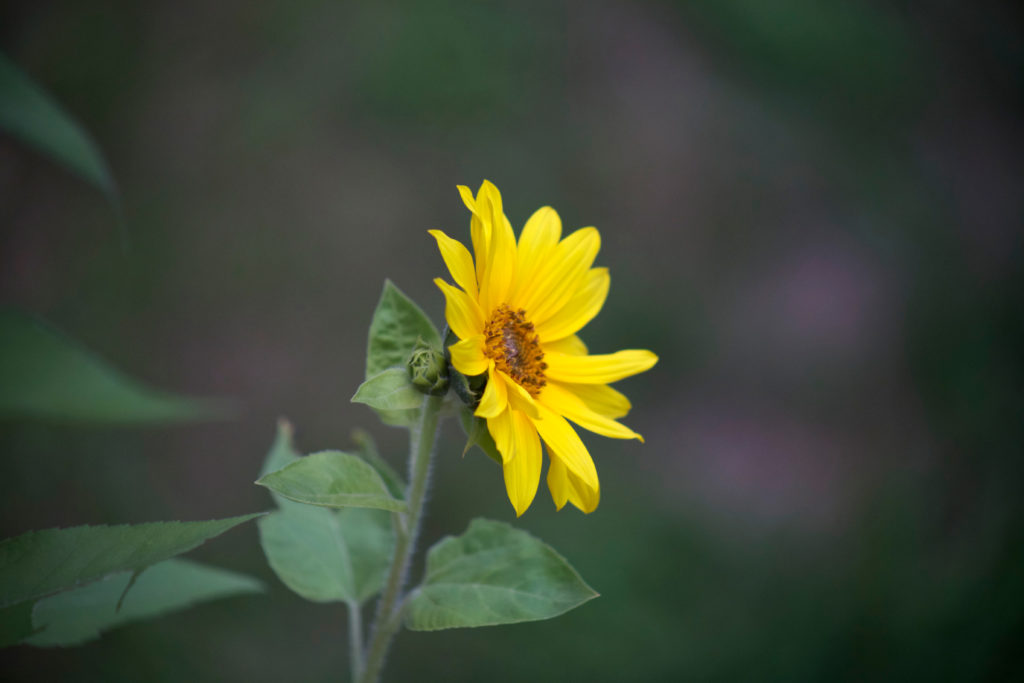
(388, 617)
(355, 638)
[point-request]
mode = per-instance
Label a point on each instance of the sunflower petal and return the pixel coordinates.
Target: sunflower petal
(566, 487)
(571, 345)
(522, 472)
(540, 235)
(598, 369)
(601, 398)
(519, 398)
(566, 403)
(480, 235)
(558, 483)
(560, 277)
(582, 496)
(489, 191)
(479, 229)
(500, 265)
(468, 356)
(458, 260)
(500, 427)
(564, 443)
(495, 398)
(467, 198)
(461, 311)
(580, 309)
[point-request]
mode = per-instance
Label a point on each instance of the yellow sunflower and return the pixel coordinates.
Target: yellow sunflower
(516, 315)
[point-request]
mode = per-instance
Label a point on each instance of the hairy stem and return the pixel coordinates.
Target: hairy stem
(355, 638)
(388, 617)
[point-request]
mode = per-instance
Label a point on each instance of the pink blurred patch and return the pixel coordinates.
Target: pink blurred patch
(768, 470)
(824, 304)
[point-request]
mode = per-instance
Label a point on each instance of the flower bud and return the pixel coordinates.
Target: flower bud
(427, 369)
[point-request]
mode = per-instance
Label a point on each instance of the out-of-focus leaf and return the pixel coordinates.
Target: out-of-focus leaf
(368, 450)
(389, 390)
(39, 563)
(328, 555)
(80, 615)
(493, 574)
(332, 479)
(15, 623)
(28, 113)
(43, 374)
(817, 49)
(282, 452)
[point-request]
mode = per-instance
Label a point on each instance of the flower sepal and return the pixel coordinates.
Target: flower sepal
(477, 435)
(469, 389)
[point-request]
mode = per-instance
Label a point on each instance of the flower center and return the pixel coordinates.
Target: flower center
(515, 348)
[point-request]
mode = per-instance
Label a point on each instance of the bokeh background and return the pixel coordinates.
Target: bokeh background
(811, 211)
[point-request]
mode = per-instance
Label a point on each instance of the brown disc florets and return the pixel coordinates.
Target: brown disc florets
(515, 348)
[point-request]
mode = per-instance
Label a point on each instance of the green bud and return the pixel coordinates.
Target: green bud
(427, 369)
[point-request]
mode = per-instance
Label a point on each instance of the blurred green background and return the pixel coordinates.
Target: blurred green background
(811, 212)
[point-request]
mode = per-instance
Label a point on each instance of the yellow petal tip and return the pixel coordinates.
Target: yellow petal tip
(467, 198)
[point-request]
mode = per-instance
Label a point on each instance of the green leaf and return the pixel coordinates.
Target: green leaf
(15, 623)
(368, 450)
(77, 616)
(43, 374)
(478, 435)
(396, 325)
(493, 574)
(282, 453)
(389, 390)
(28, 113)
(39, 563)
(329, 555)
(332, 479)
(398, 418)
